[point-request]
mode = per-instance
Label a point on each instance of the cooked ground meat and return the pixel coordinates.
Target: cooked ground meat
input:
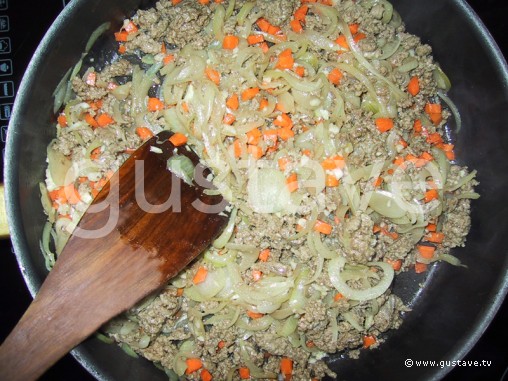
(278, 12)
(360, 172)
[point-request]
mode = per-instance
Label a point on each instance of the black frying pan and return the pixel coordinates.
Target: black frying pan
(456, 305)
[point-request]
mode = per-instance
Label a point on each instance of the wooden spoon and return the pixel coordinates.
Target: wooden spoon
(113, 260)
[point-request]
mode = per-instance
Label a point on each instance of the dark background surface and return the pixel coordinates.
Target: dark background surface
(28, 21)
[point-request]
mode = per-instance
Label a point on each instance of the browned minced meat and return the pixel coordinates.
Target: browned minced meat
(174, 25)
(278, 12)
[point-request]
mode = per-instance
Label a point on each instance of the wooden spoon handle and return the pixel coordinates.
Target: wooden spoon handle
(39, 340)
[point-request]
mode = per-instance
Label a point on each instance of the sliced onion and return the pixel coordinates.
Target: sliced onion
(226, 234)
(335, 267)
(385, 203)
(267, 191)
(214, 282)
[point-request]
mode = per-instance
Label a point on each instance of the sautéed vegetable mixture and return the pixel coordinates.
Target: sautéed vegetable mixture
(325, 126)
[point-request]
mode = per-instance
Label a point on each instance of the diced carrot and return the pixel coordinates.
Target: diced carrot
(62, 120)
(71, 194)
(263, 103)
(221, 344)
(413, 87)
(244, 373)
(264, 47)
(255, 151)
(131, 27)
(253, 136)
(256, 275)
(121, 36)
(426, 252)
(270, 136)
(384, 124)
(359, 36)
(299, 70)
(168, 59)
(213, 75)
(285, 133)
(368, 340)
(193, 364)
(331, 181)
(283, 120)
(272, 29)
(286, 366)
(254, 315)
(426, 156)
(285, 60)
(255, 39)
(155, 104)
(122, 49)
(283, 162)
(338, 296)
(263, 24)
(420, 267)
(323, 227)
(264, 255)
(431, 227)
(335, 76)
(434, 111)
(431, 194)
(230, 42)
(229, 119)
(353, 28)
(200, 275)
(396, 264)
(164, 50)
(377, 182)
(144, 133)
(174, 2)
(296, 26)
(311, 344)
(232, 102)
(334, 162)
(435, 237)
(96, 153)
(178, 139)
(249, 93)
(292, 182)
(237, 148)
(179, 291)
(435, 138)
(450, 155)
(96, 105)
(300, 13)
(204, 2)
(104, 120)
(206, 375)
(417, 126)
(91, 121)
(341, 41)
(402, 143)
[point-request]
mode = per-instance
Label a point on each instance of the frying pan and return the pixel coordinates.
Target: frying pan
(456, 305)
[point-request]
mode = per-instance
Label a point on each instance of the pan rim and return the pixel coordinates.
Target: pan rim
(13, 202)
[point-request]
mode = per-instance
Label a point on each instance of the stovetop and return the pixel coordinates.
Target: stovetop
(22, 25)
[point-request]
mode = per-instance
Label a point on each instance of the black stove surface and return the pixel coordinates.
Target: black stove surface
(22, 25)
